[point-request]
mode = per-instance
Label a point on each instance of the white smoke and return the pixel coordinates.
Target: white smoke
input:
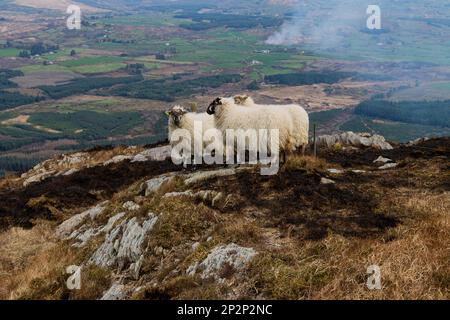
(336, 21)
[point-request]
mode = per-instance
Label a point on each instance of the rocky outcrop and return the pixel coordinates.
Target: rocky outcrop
(381, 159)
(116, 292)
(118, 159)
(123, 244)
(156, 154)
(65, 229)
(201, 176)
(155, 184)
(223, 262)
(67, 165)
(388, 166)
(353, 140)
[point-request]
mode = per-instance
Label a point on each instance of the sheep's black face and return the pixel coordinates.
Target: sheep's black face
(177, 118)
(212, 107)
(176, 115)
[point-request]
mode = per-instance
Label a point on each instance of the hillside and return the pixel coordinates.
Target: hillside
(143, 228)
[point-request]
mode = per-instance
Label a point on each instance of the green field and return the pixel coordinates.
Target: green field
(149, 19)
(89, 61)
(41, 68)
(9, 52)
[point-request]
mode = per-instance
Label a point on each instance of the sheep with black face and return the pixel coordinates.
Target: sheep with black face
(229, 115)
(299, 116)
(180, 118)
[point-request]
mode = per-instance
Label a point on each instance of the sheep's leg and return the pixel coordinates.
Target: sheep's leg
(303, 149)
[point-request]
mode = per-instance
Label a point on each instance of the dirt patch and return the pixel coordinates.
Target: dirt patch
(314, 97)
(22, 119)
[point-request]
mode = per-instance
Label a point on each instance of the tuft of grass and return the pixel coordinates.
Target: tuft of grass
(181, 287)
(277, 278)
(94, 282)
(181, 221)
(304, 163)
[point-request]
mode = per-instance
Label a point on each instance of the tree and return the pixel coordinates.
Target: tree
(73, 53)
(24, 54)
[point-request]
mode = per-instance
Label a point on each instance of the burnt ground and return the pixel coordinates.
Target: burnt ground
(18, 207)
(294, 200)
(427, 150)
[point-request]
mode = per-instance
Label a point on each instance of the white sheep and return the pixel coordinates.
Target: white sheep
(229, 115)
(180, 118)
(299, 115)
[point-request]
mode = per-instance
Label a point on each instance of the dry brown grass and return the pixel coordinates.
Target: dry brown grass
(18, 247)
(33, 266)
(414, 262)
(304, 163)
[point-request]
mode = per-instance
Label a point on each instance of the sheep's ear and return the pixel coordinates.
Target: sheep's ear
(240, 99)
(168, 113)
(194, 107)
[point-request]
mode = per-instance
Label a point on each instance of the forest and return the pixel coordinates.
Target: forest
(83, 85)
(433, 113)
(328, 77)
(205, 21)
(10, 99)
(168, 90)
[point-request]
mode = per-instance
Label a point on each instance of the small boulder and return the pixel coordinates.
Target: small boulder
(116, 292)
(131, 206)
(223, 261)
(154, 185)
(326, 181)
(388, 166)
(381, 159)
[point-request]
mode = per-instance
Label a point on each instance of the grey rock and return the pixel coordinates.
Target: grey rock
(70, 172)
(381, 159)
(195, 246)
(124, 243)
(39, 177)
(388, 166)
(353, 139)
(335, 171)
(201, 176)
(231, 256)
(326, 181)
(417, 141)
(116, 292)
(153, 185)
(188, 193)
(112, 221)
(117, 159)
(66, 228)
(155, 154)
(131, 206)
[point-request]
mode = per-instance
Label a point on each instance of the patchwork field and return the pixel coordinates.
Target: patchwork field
(134, 60)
